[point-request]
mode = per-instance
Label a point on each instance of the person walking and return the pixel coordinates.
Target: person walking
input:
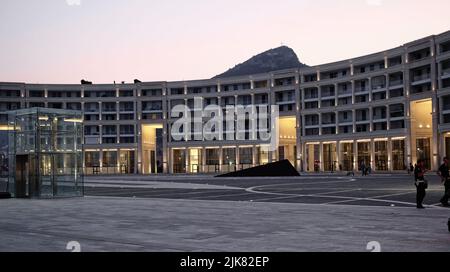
(421, 183)
(445, 178)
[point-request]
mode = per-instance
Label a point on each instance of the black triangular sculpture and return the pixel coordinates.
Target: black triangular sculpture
(4, 195)
(282, 168)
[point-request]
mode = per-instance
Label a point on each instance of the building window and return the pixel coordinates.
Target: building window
(381, 156)
(179, 161)
(329, 157)
(245, 156)
(364, 154)
(109, 162)
(92, 159)
(398, 155)
(347, 157)
(36, 93)
(126, 140)
(212, 160)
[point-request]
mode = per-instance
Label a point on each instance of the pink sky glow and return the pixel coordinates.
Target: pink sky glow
(59, 41)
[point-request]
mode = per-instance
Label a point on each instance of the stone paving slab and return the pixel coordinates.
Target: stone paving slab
(126, 224)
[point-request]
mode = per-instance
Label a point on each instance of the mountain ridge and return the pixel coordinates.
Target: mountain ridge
(274, 59)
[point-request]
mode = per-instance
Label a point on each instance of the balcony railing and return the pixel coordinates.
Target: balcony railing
(421, 77)
(311, 124)
(361, 89)
(378, 87)
(311, 96)
(379, 117)
(152, 109)
(342, 91)
(396, 82)
(284, 100)
(328, 122)
(328, 94)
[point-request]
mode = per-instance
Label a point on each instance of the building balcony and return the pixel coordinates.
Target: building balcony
(329, 125)
(395, 84)
(344, 95)
(328, 121)
(417, 80)
(379, 88)
(127, 134)
(328, 97)
(345, 91)
(91, 140)
(306, 100)
(445, 73)
(107, 110)
(379, 119)
(109, 134)
(152, 110)
(311, 97)
(360, 90)
(285, 102)
(311, 125)
(345, 121)
(392, 119)
(362, 121)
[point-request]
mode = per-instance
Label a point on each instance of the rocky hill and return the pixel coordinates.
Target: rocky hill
(274, 59)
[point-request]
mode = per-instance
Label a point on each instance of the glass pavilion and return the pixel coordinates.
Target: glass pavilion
(45, 153)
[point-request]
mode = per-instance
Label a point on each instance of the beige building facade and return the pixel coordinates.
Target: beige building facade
(385, 110)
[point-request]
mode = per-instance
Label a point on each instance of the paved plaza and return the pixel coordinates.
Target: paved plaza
(378, 190)
(186, 213)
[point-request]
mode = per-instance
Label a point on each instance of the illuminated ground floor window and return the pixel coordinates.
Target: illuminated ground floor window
(245, 157)
(212, 160)
(313, 157)
(179, 161)
(398, 155)
(229, 159)
(381, 156)
(346, 163)
(364, 154)
(329, 157)
(348, 155)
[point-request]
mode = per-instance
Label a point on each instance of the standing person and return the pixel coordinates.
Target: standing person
(421, 184)
(445, 178)
(363, 168)
(410, 169)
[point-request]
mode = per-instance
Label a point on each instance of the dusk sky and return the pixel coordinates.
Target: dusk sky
(59, 41)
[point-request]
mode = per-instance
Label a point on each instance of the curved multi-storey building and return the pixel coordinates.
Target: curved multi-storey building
(386, 109)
